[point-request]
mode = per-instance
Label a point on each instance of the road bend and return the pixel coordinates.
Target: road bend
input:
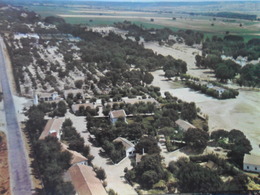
(18, 166)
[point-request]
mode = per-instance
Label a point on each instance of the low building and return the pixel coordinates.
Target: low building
(116, 114)
(74, 93)
(184, 125)
(75, 107)
(220, 90)
(45, 97)
(129, 146)
(84, 180)
(52, 128)
(251, 163)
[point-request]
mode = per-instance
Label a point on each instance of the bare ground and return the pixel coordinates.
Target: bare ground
(241, 113)
(4, 169)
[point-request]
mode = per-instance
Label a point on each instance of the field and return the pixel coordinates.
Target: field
(101, 14)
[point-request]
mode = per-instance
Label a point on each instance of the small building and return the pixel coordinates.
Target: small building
(116, 114)
(84, 180)
(75, 107)
(52, 128)
(184, 125)
(129, 146)
(74, 93)
(45, 97)
(251, 163)
(220, 90)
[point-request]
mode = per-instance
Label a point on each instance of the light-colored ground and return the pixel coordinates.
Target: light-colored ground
(183, 52)
(242, 113)
(115, 173)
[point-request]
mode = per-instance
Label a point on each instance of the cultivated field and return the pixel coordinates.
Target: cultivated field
(96, 15)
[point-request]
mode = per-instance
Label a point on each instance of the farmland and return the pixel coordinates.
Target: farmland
(172, 15)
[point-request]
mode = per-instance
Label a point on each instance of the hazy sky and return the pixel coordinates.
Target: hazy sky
(169, 0)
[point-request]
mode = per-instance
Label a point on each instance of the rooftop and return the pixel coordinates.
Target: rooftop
(251, 159)
(127, 144)
(75, 107)
(136, 100)
(117, 114)
(52, 124)
(84, 180)
(184, 124)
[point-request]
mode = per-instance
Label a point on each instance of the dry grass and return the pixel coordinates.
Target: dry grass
(4, 176)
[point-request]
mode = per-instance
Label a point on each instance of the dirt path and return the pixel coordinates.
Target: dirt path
(9, 70)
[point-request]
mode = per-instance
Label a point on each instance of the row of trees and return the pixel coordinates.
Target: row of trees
(49, 159)
(235, 141)
(73, 138)
(161, 35)
(228, 92)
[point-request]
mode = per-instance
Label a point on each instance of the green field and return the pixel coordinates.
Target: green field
(95, 17)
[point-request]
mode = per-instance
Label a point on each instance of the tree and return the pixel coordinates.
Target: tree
(223, 72)
(148, 78)
(194, 178)
(149, 178)
(78, 84)
(189, 111)
(62, 108)
(101, 174)
(148, 144)
(196, 139)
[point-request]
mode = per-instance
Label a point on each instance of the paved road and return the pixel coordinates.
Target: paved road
(18, 166)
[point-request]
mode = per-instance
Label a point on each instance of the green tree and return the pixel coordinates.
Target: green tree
(194, 178)
(196, 139)
(101, 174)
(148, 78)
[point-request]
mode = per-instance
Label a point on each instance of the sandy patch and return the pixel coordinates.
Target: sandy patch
(185, 53)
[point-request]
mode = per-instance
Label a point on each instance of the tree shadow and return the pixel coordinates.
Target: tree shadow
(189, 151)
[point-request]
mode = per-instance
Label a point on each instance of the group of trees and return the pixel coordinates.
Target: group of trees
(174, 67)
(52, 162)
(235, 141)
(73, 138)
(161, 35)
(194, 178)
(49, 159)
(147, 172)
(228, 92)
(137, 108)
(231, 45)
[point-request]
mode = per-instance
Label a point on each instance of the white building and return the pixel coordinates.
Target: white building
(116, 114)
(129, 146)
(251, 163)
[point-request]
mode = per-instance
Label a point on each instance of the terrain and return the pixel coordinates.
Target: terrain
(4, 178)
(102, 13)
(112, 64)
